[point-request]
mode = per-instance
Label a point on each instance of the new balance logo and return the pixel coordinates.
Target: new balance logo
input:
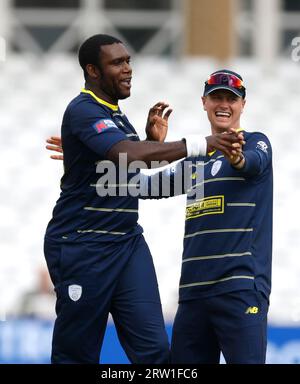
(252, 310)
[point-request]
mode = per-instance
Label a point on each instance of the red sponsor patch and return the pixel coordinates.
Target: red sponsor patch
(100, 125)
(104, 124)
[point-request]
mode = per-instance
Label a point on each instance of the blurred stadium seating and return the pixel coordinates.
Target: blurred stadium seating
(34, 96)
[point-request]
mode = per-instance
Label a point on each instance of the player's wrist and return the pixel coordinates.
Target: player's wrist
(239, 163)
(196, 145)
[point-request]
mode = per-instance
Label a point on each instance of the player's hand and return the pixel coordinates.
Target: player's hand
(157, 122)
(236, 159)
(55, 146)
(230, 143)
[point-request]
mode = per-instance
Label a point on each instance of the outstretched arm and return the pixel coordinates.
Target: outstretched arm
(191, 146)
(228, 143)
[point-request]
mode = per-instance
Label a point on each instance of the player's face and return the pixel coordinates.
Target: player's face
(223, 109)
(115, 72)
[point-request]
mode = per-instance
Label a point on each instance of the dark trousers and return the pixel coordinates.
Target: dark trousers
(233, 323)
(94, 279)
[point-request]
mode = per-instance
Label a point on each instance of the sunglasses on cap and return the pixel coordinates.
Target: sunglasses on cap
(222, 78)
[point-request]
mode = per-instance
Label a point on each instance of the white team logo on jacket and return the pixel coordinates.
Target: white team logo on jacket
(216, 167)
(262, 146)
(75, 292)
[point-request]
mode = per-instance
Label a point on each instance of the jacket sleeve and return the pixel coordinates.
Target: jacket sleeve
(158, 184)
(258, 155)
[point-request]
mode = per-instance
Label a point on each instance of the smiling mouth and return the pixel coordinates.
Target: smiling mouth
(126, 82)
(223, 114)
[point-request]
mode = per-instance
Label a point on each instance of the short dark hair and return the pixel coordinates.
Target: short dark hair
(90, 49)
